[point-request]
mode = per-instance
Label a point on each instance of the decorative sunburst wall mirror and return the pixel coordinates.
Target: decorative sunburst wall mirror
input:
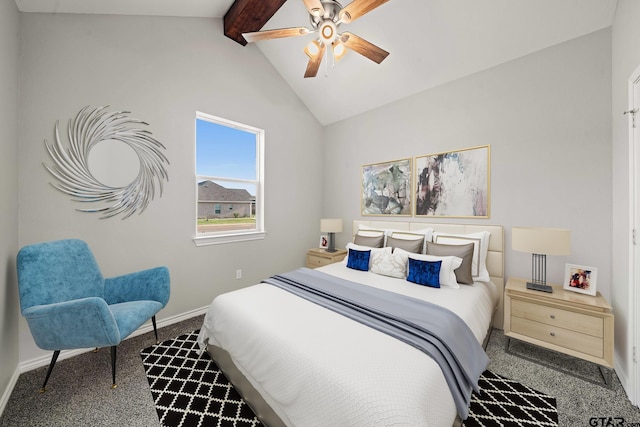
(99, 165)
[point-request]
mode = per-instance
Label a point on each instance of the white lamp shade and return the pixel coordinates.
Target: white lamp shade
(331, 225)
(541, 240)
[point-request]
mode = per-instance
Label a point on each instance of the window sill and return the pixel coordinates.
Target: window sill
(218, 239)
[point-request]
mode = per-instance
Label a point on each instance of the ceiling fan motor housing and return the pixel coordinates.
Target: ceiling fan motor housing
(331, 13)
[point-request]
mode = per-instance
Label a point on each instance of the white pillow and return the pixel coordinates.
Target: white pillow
(480, 242)
(447, 268)
(363, 248)
(392, 264)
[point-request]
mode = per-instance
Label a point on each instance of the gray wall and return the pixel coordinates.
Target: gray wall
(9, 24)
(163, 70)
(625, 60)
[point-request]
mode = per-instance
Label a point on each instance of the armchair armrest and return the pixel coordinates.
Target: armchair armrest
(81, 323)
(152, 284)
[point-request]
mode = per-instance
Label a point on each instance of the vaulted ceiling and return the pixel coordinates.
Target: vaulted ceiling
(431, 42)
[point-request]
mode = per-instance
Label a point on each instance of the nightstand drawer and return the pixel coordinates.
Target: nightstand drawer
(558, 336)
(556, 317)
(319, 257)
(316, 261)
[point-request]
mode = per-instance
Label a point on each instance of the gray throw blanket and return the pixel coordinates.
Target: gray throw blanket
(430, 328)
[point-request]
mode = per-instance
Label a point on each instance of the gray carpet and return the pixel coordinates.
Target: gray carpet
(79, 390)
(578, 400)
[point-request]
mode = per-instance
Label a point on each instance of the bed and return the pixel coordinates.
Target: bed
(299, 364)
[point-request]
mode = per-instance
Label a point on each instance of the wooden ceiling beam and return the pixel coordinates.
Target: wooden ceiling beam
(245, 16)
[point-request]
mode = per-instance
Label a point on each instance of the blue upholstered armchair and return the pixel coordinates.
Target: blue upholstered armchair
(68, 304)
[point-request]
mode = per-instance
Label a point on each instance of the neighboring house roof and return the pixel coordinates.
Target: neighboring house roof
(210, 191)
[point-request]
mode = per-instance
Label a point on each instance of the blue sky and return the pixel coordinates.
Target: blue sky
(225, 152)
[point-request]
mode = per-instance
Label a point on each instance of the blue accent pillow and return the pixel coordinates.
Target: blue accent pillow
(358, 260)
(424, 272)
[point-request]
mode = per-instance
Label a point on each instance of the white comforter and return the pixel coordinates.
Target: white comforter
(318, 368)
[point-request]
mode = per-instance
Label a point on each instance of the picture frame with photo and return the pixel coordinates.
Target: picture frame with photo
(581, 279)
(324, 241)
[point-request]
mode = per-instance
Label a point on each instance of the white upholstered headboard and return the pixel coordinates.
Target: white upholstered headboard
(495, 255)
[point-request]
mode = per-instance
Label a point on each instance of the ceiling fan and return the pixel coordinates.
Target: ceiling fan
(326, 16)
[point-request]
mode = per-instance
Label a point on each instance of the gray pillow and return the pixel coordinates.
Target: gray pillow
(371, 241)
(409, 245)
(463, 273)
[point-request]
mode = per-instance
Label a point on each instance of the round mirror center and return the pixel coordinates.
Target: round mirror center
(113, 163)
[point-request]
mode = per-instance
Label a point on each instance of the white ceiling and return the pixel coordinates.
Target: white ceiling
(430, 42)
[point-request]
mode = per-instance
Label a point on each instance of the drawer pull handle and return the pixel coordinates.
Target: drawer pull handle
(553, 316)
(553, 334)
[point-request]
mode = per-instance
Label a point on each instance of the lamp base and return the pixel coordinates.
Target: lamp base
(332, 243)
(539, 274)
(539, 287)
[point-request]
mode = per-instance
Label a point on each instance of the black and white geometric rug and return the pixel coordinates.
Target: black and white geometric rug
(189, 390)
(504, 402)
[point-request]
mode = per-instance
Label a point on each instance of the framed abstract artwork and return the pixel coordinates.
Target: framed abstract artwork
(386, 188)
(453, 183)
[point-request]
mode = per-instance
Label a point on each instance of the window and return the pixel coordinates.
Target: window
(229, 173)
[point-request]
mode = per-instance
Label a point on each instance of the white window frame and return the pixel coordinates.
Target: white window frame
(259, 232)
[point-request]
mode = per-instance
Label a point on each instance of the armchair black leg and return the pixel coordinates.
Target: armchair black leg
(54, 358)
(113, 365)
(155, 329)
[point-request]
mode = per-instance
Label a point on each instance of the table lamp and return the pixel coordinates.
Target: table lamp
(540, 242)
(331, 226)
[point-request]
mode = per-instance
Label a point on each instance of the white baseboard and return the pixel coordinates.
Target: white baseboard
(38, 362)
(7, 392)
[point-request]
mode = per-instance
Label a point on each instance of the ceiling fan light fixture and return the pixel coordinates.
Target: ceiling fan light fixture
(339, 50)
(312, 48)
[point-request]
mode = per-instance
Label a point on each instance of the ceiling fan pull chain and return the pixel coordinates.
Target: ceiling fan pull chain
(333, 58)
(326, 61)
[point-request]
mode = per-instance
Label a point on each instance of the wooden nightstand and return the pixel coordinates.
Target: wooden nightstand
(317, 257)
(567, 322)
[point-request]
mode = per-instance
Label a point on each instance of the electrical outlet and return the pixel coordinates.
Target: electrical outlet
(238, 274)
